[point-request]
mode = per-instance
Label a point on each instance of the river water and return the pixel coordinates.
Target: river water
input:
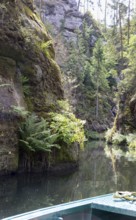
(100, 172)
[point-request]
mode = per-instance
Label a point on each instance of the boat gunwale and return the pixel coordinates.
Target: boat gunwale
(103, 203)
(56, 209)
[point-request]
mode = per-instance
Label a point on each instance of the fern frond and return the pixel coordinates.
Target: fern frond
(35, 135)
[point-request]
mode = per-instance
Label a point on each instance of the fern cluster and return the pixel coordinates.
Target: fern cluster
(35, 135)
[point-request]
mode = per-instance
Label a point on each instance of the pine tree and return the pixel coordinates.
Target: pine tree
(99, 72)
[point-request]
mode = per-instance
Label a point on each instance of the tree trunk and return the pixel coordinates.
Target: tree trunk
(129, 10)
(105, 17)
(97, 92)
(78, 5)
(84, 6)
(97, 99)
(121, 34)
(87, 5)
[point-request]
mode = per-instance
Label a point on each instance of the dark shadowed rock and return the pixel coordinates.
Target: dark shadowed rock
(21, 55)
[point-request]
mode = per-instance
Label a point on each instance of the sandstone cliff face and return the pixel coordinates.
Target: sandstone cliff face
(22, 56)
(63, 15)
(66, 24)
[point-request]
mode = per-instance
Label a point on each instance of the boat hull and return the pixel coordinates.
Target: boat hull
(97, 208)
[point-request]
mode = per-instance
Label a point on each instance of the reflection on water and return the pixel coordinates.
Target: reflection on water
(128, 153)
(124, 166)
(97, 174)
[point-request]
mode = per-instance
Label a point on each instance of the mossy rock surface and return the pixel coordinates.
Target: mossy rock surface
(21, 55)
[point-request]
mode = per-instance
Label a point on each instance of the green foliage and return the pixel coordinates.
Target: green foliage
(131, 141)
(126, 79)
(99, 70)
(3, 10)
(94, 135)
(32, 39)
(21, 111)
(130, 137)
(64, 106)
(128, 83)
(6, 84)
(45, 47)
(132, 145)
(87, 65)
(35, 135)
(29, 36)
(25, 85)
(111, 59)
(131, 50)
(109, 135)
(119, 139)
(99, 79)
(3, 6)
(67, 126)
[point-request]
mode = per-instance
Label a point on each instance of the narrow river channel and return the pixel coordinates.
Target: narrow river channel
(97, 174)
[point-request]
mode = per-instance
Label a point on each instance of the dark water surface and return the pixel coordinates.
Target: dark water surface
(97, 174)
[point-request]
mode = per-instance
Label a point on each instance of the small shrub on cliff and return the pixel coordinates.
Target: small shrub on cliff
(131, 141)
(25, 85)
(109, 135)
(119, 139)
(45, 47)
(35, 135)
(67, 126)
(20, 111)
(132, 146)
(130, 137)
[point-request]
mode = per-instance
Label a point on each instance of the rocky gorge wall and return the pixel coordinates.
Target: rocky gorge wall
(67, 24)
(28, 78)
(63, 15)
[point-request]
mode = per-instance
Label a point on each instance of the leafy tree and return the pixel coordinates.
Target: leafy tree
(67, 126)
